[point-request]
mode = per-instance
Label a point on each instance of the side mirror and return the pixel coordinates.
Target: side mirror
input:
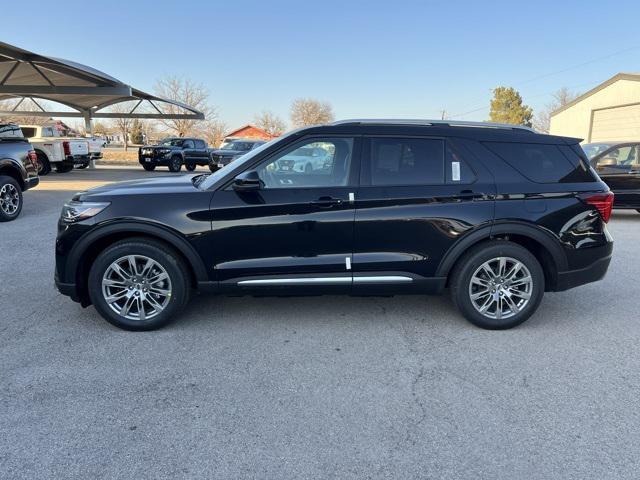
(247, 181)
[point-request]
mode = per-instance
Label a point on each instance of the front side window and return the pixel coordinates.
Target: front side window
(311, 163)
(406, 161)
(619, 160)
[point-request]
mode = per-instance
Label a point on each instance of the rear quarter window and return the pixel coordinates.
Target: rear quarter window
(543, 163)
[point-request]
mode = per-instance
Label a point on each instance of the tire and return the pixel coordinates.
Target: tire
(308, 168)
(149, 167)
(175, 164)
(213, 168)
(190, 167)
(638, 210)
(83, 166)
(44, 167)
(10, 198)
(525, 296)
(64, 167)
(143, 249)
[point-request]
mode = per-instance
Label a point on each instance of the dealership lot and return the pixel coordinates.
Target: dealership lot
(346, 387)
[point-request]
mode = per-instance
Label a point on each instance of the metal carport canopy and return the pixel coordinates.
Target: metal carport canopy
(85, 90)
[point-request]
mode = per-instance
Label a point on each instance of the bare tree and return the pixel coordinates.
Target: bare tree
(187, 92)
(25, 105)
(214, 132)
(270, 123)
(307, 111)
(122, 124)
(542, 119)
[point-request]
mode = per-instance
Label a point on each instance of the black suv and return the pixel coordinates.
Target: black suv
(18, 170)
(174, 152)
(618, 163)
(231, 151)
(498, 214)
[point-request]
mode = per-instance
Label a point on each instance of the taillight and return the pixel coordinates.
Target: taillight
(67, 148)
(33, 158)
(603, 202)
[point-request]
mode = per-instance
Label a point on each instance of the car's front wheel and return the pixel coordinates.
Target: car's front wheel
(497, 285)
(149, 167)
(139, 284)
(10, 199)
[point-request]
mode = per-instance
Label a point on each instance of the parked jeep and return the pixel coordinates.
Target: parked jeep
(173, 152)
(18, 170)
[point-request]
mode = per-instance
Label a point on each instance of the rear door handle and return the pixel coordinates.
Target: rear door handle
(326, 202)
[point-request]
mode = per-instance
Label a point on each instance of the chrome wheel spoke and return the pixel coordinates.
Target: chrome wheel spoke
(500, 288)
(136, 287)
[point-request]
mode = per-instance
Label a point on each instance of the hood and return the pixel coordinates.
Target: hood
(157, 185)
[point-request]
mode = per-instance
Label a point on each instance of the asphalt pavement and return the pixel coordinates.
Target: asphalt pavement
(314, 387)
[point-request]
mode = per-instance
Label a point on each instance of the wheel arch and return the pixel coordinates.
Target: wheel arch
(87, 249)
(538, 241)
(11, 169)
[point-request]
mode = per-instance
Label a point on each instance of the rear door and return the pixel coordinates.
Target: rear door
(188, 150)
(418, 196)
(619, 167)
(201, 152)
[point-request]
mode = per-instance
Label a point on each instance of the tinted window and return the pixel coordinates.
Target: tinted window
(188, 144)
(200, 144)
(543, 163)
(327, 165)
(406, 161)
(28, 132)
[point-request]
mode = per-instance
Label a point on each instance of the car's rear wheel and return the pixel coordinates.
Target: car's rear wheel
(139, 284)
(497, 285)
(175, 164)
(190, 166)
(64, 167)
(42, 163)
(149, 167)
(10, 199)
(308, 168)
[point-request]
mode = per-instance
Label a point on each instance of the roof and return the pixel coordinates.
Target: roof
(426, 122)
(620, 76)
(84, 89)
(237, 130)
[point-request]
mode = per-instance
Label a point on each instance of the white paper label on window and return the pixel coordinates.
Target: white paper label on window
(455, 171)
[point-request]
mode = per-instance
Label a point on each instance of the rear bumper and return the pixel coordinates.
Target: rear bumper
(595, 271)
(31, 182)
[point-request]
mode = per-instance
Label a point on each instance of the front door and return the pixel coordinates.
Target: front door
(620, 169)
(418, 196)
(297, 230)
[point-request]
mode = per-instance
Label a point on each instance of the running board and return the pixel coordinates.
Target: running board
(370, 280)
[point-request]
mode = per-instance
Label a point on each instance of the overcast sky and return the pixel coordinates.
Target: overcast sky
(408, 59)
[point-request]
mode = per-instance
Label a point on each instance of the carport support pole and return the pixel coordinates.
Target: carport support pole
(88, 128)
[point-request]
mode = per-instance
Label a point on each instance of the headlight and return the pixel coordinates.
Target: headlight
(75, 211)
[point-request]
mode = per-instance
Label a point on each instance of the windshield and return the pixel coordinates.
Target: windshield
(172, 142)
(238, 146)
(593, 149)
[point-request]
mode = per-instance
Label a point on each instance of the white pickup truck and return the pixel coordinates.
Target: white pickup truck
(54, 151)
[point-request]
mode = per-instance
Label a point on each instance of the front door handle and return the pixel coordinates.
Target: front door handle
(326, 202)
(470, 195)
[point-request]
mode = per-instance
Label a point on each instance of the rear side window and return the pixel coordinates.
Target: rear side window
(406, 161)
(543, 163)
(200, 144)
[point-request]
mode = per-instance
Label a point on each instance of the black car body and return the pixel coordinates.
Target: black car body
(231, 151)
(399, 207)
(618, 164)
(18, 170)
(174, 152)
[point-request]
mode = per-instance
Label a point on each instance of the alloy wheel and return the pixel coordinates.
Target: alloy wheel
(501, 288)
(9, 199)
(136, 287)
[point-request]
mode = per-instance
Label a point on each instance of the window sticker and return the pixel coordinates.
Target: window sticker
(455, 171)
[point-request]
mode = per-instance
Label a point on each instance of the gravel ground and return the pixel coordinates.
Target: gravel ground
(317, 387)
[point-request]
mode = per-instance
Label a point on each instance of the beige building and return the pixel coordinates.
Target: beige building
(610, 111)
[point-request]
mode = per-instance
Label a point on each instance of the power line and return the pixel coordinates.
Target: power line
(546, 75)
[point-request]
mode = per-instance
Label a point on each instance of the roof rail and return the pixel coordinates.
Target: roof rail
(445, 123)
